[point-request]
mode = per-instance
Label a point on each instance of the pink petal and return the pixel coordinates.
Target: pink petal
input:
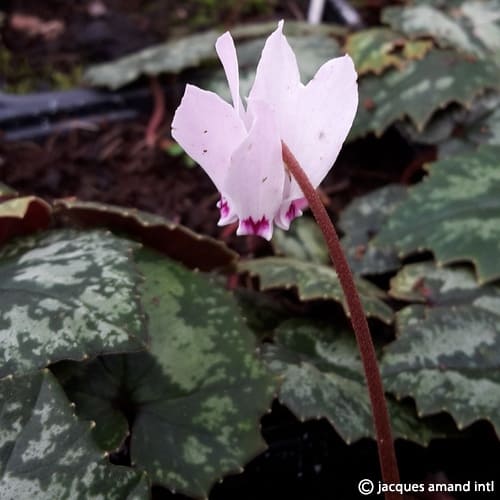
(227, 54)
(256, 175)
(277, 80)
(323, 117)
(209, 130)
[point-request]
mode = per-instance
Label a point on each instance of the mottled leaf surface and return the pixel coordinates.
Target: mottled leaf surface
(67, 295)
(323, 377)
(469, 26)
(434, 286)
(22, 215)
(196, 398)
(176, 241)
(314, 282)
(303, 241)
(376, 49)
(361, 220)
(455, 212)
(48, 454)
(447, 360)
(420, 88)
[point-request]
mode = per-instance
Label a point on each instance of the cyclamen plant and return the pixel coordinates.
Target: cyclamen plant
(267, 158)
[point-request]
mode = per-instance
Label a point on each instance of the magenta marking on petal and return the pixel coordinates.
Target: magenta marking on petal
(223, 206)
(295, 209)
(258, 227)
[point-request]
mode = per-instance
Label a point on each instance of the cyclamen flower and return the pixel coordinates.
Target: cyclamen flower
(241, 150)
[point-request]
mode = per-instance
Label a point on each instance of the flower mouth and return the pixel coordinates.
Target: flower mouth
(260, 227)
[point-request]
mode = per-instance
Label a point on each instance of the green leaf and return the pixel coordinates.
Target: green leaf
(170, 57)
(67, 295)
(469, 26)
(176, 241)
(47, 453)
(361, 220)
(323, 377)
(455, 212)
(303, 241)
(195, 399)
(447, 360)
(421, 88)
(314, 282)
(426, 283)
(376, 49)
(22, 216)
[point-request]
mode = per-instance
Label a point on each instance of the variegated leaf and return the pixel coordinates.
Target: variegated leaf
(314, 282)
(176, 241)
(374, 50)
(421, 88)
(196, 397)
(455, 212)
(67, 295)
(303, 241)
(434, 286)
(323, 377)
(361, 220)
(448, 360)
(48, 454)
(22, 215)
(471, 26)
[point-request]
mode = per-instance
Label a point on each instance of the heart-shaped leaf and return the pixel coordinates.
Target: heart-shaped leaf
(67, 295)
(194, 401)
(455, 212)
(447, 359)
(323, 377)
(47, 453)
(421, 88)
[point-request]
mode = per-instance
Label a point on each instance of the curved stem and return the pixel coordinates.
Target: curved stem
(387, 456)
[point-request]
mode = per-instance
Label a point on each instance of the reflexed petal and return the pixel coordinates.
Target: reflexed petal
(324, 115)
(289, 210)
(227, 54)
(256, 175)
(209, 130)
(277, 80)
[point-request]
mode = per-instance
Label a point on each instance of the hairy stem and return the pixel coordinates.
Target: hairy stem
(387, 455)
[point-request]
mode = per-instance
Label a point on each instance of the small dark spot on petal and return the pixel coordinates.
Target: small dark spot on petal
(321, 135)
(205, 150)
(205, 131)
(264, 179)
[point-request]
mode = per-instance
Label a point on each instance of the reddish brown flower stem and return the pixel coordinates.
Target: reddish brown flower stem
(158, 112)
(387, 456)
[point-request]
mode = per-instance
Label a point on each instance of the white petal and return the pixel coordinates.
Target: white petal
(324, 115)
(209, 130)
(277, 80)
(256, 175)
(227, 54)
